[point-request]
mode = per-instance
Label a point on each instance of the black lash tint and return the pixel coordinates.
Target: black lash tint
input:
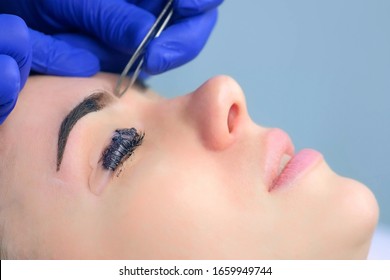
(123, 144)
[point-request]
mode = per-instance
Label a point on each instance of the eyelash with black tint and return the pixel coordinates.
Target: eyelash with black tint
(123, 144)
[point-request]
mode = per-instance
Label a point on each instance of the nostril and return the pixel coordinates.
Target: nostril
(232, 117)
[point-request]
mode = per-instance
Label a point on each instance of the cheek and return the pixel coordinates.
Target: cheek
(163, 212)
(45, 216)
(180, 209)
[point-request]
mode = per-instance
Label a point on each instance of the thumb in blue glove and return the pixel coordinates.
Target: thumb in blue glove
(15, 61)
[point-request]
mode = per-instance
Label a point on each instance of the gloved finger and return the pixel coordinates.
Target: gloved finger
(15, 42)
(55, 57)
(155, 7)
(109, 59)
(182, 8)
(187, 8)
(10, 85)
(119, 24)
(179, 43)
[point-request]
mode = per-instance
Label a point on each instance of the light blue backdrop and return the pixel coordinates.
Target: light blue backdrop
(318, 69)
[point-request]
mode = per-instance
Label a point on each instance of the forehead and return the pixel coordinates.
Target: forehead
(46, 90)
(47, 99)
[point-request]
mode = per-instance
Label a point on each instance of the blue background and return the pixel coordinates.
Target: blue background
(320, 70)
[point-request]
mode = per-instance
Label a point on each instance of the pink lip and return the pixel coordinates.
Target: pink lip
(296, 167)
(277, 143)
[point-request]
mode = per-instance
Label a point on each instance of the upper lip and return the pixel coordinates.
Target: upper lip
(277, 143)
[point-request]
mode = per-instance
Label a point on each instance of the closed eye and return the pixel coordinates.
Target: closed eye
(93, 103)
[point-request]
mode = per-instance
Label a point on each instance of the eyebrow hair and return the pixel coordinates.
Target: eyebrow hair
(93, 103)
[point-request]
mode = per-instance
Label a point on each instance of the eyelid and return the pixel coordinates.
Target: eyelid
(121, 147)
(99, 178)
(123, 143)
(96, 101)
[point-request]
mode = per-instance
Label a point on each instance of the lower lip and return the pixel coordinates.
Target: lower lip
(299, 165)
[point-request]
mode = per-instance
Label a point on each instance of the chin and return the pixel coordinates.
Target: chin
(360, 204)
(344, 210)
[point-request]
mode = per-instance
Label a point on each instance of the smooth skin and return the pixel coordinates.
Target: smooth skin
(195, 189)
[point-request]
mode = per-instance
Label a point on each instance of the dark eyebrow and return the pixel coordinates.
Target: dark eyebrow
(92, 103)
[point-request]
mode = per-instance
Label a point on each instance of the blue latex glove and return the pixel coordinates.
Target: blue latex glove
(15, 61)
(85, 36)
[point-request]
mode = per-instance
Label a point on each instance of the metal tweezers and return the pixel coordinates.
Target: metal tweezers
(155, 31)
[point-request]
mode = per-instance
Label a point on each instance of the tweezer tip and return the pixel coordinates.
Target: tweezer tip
(118, 87)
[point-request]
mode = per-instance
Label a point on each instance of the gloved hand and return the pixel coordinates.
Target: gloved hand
(15, 61)
(85, 36)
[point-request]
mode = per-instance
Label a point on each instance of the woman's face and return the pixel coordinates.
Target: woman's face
(204, 184)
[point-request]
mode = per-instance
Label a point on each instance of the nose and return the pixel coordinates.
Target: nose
(219, 112)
